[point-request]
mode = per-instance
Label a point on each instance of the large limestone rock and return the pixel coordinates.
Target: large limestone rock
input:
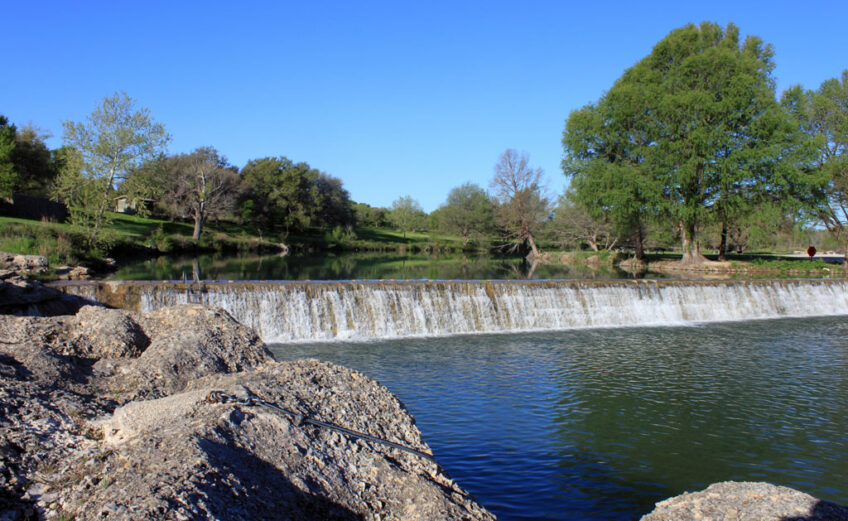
(198, 460)
(188, 342)
(19, 295)
(96, 425)
(746, 502)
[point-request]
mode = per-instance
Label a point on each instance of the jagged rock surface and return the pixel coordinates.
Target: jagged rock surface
(95, 426)
(745, 501)
(19, 295)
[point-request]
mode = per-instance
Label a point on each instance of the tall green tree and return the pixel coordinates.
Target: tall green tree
(33, 161)
(522, 207)
(606, 146)
(406, 214)
(285, 189)
(468, 212)
(115, 138)
(332, 206)
(8, 174)
(823, 115)
(692, 133)
(79, 192)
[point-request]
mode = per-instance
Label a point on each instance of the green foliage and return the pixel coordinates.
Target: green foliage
(33, 162)
(468, 212)
(823, 116)
(114, 140)
(366, 215)
(340, 237)
(692, 134)
(406, 215)
(8, 174)
(295, 196)
(79, 192)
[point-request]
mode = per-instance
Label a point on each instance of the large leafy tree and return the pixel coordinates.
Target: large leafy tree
(198, 186)
(8, 174)
(284, 189)
(522, 207)
(33, 161)
(293, 196)
(606, 146)
(692, 132)
(468, 212)
(332, 206)
(406, 214)
(114, 139)
(823, 116)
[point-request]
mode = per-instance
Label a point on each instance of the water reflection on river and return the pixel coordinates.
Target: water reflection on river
(600, 424)
(356, 266)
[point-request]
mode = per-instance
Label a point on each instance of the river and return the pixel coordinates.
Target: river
(602, 423)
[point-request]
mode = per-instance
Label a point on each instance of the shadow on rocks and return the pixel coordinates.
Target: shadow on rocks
(264, 484)
(823, 511)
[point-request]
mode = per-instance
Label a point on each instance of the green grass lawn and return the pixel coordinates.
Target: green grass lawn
(66, 244)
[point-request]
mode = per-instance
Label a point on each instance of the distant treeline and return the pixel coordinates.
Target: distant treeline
(690, 149)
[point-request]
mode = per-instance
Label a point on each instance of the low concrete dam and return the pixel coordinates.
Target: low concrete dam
(360, 310)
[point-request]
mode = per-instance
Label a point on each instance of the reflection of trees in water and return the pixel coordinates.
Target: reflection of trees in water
(352, 266)
(656, 411)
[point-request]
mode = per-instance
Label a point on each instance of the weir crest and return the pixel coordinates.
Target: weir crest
(362, 310)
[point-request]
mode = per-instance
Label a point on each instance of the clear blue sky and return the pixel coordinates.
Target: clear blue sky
(395, 98)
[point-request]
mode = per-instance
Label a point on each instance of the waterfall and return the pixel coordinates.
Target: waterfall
(358, 310)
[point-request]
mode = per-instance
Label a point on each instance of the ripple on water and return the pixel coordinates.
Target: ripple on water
(601, 424)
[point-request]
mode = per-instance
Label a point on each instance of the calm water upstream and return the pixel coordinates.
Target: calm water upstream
(601, 424)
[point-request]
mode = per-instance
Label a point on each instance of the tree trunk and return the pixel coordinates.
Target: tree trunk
(691, 248)
(198, 224)
(534, 251)
(639, 254)
(102, 210)
(722, 247)
(593, 242)
(195, 270)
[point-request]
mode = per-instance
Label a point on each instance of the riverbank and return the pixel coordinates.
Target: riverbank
(772, 265)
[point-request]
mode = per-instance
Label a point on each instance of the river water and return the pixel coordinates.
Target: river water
(602, 423)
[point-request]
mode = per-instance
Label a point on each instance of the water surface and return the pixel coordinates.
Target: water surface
(601, 424)
(350, 266)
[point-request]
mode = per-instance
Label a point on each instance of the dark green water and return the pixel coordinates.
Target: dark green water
(352, 266)
(601, 424)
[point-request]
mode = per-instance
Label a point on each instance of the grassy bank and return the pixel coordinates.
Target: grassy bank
(62, 243)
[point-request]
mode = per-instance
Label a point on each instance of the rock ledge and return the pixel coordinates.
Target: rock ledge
(103, 415)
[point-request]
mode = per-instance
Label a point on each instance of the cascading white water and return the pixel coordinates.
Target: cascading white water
(295, 311)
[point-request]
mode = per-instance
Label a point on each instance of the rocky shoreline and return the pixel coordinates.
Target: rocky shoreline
(106, 414)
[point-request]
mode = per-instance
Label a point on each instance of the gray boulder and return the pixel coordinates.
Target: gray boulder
(745, 501)
(104, 415)
(187, 342)
(184, 458)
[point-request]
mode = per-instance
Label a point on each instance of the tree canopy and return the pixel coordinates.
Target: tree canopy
(692, 133)
(8, 174)
(406, 214)
(294, 196)
(115, 138)
(822, 115)
(522, 207)
(468, 212)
